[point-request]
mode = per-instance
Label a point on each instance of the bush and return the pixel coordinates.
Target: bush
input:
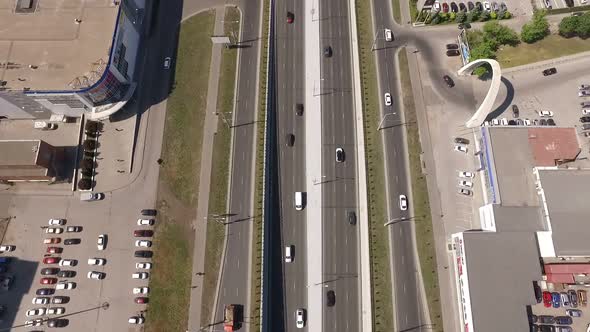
(568, 26)
(484, 16)
(503, 35)
(461, 17)
(436, 20)
(443, 17)
(474, 14)
(536, 29)
(493, 15)
(583, 29)
(91, 126)
(87, 172)
(507, 15)
(87, 164)
(85, 184)
(89, 144)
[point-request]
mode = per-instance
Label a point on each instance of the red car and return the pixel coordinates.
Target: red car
(445, 7)
(52, 240)
(547, 299)
(290, 17)
(54, 250)
(141, 300)
(51, 260)
(48, 281)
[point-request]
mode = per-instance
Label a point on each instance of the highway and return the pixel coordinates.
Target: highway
(290, 91)
(235, 281)
(339, 191)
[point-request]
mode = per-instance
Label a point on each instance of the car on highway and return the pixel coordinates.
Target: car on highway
(143, 254)
(149, 212)
(351, 216)
(290, 17)
(58, 222)
(44, 291)
(583, 93)
(403, 202)
(136, 320)
(460, 148)
(63, 285)
(143, 243)
(465, 183)
(49, 271)
(549, 71)
(388, 35)
(69, 242)
(453, 53)
(74, 229)
(328, 51)
(40, 300)
(464, 174)
(54, 250)
(51, 260)
(464, 192)
(449, 81)
(300, 318)
(299, 109)
(48, 281)
(574, 312)
(143, 265)
(547, 299)
(60, 299)
(387, 98)
(145, 222)
(52, 240)
(330, 298)
(289, 140)
(141, 290)
(140, 275)
(141, 300)
(54, 230)
(35, 312)
(461, 140)
(7, 248)
(68, 262)
(97, 261)
(101, 243)
(339, 155)
(96, 275)
(167, 63)
(56, 311)
(66, 274)
(289, 253)
(143, 233)
(545, 113)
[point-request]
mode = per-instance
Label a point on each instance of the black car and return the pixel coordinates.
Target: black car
(289, 139)
(586, 126)
(563, 320)
(573, 298)
(49, 271)
(299, 109)
(462, 7)
(149, 212)
(461, 140)
(453, 53)
(551, 122)
(546, 319)
(351, 217)
(511, 123)
(533, 319)
(519, 122)
(60, 299)
(143, 253)
(68, 242)
(45, 291)
(449, 81)
(340, 155)
(328, 51)
(538, 292)
(585, 119)
(143, 233)
(549, 71)
(470, 6)
(515, 111)
(543, 122)
(57, 322)
(452, 46)
(66, 274)
(547, 328)
(330, 298)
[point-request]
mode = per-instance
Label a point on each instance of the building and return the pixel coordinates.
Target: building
(532, 225)
(27, 160)
(70, 61)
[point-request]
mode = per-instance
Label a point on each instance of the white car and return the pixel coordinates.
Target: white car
(140, 275)
(68, 262)
(102, 241)
(527, 122)
(465, 183)
(56, 311)
(143, 243)
(583, 93)
(504, 122)
(300, 318)
(436, 6)
(40, 300)
(486, 6)
(586, 111)
(74, 229)
(54, 230)
(145, 222)
(495, 122)
(388, 35)
(141, 290)
(545, 113)
(167, 62)
(465, 192)
(387, 99)
(460, 148)
(464, 174)
(143, 265)
(35, 312)
(60, 222)
(96, 275)
(36, 322)
(339, 155)
(136, 320)
(65, 285)
(403, 202)
(7, 248)
(97, 261)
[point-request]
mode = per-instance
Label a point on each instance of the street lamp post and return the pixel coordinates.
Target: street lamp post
(382, 120)
(394, 220)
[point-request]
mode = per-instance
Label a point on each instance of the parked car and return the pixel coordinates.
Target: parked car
(52, 240)
(54, 230)
(538, 292)
(141, 300)
(60, 299)
(7, 248)
(140, 275)
(549, 71)
(465, 192)
(565, 299)
(465, 183)
(56, 311)
(97, 261)
(101, 243)
(452, 46)
(461, 140)
(582, 298)
(547, 299)
(574, 312)
(136, 320)
(583, 93)
(35, 312)
(68, 262)
(51, 260)
(45, 291)
(453, 53)
(96, 275)
(573, 298)
(556, 299)
(62, 285)
(48, 271)
(69, 242)
(40, 300)
(59, 222)
(515, 111)
(143, 253)
(74, 229)
(545, 113)
(143, 243)
(545, 319)
(449, 81)
(141, 290)
(149, 212)
(54, 250)
(35, 322)
(48, 281)
(143, 265)
(460, 148)
(145, 222)
(563, 320)
(467, 175)
(143, 233)
(550, 122)
(57, 322)
(66, 274)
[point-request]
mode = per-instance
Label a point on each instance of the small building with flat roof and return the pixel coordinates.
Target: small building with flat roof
(27, 160)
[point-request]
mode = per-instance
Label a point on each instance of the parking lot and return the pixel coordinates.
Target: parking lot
(543, 315)
(515, 7)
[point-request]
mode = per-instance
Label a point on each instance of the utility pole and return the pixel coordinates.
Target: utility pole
(382, 120)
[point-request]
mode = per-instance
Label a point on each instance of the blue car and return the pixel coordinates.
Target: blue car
(556, 299)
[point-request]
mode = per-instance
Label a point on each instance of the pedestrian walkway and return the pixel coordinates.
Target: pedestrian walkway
(200, 223)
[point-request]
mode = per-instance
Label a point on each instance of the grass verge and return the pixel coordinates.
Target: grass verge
(219, 173)
(413, 9)
(379, 240)
(420, 202)
(397, 10)
(256, 281)
(553, 46)
(178, 183)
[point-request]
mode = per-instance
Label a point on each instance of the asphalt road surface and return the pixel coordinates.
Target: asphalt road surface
(235, 280)
(339, 191)
(290, 91)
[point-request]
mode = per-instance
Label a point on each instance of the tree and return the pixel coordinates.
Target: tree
(493, 15)
(460, 18)
(474, 14)
(91, 126)
(484, 16)
(85, 184)
(536, 29)
(583, 29)
(452, 16)
(567, 26)
(89, 144)
(507, 15)
(436, 20)
(485, 50)
(443, 17)
(87, 163)
(502, 34)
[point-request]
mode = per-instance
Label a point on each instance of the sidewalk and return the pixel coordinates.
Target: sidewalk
(200, 223)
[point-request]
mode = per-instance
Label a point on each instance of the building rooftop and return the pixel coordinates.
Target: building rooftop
(567, 205)
(517, 218)
(501, 268)
(19, 153)
(47, 50)
(551, 146)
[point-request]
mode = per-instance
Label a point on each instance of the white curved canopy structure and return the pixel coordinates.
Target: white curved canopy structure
(486, 106)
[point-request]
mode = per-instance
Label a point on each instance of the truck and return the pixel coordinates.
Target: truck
(230, 316)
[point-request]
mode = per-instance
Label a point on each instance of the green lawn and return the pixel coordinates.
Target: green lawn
(420, 202)
(379, 240)
(397, 11)
(553, 46)
(219, 173)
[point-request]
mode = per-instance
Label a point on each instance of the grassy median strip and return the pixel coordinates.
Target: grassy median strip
(420, 202)
(379, 239)
(220, 161)
(178, 183)
(397, 11)
(553, 46)
(256, 281)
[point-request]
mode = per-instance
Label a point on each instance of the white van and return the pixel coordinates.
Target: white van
(91, 196)
(299, 200)
(288, 254)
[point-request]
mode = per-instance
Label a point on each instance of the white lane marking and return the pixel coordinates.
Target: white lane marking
(404, 288)
(238, 263)
(396, 179)
(403, 259)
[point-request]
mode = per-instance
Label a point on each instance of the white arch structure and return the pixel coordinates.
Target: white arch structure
(486, 106)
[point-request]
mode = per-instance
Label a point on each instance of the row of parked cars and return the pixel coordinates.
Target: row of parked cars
(470, 6)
